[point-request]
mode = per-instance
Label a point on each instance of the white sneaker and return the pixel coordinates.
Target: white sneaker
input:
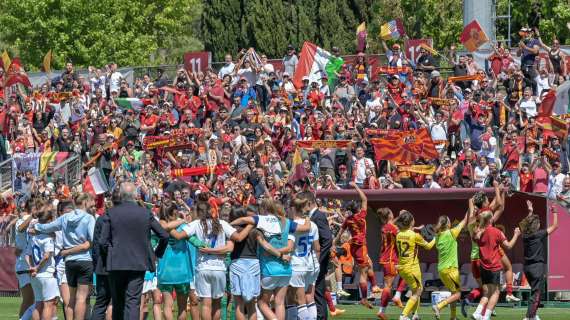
(511, 298)
(416, 317)
(476, 316)
(404, 318)
(343, 293)
(536, 317)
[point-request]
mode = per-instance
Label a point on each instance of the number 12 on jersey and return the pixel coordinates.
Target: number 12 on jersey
(403, 248)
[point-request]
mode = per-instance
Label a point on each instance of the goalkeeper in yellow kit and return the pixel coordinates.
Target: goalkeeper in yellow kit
(407, 244)
(448, 266)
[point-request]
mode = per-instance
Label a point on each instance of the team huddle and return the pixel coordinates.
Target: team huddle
(270, 262)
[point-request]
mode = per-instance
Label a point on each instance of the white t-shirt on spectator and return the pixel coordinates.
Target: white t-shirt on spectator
(360, 167)
(480, 176)
(226, 69)
(529, 107)
(541, 84)
(115, 81)
(555, 183)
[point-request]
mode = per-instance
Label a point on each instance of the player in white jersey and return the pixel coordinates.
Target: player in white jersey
(22, 267)
(40, 256)
(305, 265)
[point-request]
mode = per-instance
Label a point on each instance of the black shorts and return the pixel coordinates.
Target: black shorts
(490, 277)
(79, 272)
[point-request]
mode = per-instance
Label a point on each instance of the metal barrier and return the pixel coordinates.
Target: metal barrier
(6, 175)
(70, 170)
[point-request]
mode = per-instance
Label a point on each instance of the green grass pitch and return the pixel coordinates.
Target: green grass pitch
(9, 310)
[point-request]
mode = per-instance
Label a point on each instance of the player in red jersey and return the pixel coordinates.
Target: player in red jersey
(496, 207)
(490, 241)
(355, 223)
(388, 258)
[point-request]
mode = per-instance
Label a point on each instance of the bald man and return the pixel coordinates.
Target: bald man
(125, 245)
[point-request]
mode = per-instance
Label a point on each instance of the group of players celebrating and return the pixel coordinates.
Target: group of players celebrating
(276, 260)
(400, 244)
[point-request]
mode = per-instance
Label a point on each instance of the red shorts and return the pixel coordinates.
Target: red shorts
(476, 268)
(360, 255)
(389, 269)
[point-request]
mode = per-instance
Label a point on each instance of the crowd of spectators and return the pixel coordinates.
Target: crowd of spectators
(251, 115)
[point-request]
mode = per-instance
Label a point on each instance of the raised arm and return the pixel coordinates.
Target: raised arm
(510, 244)
(554, 225)
(361, 194)
(499, 203)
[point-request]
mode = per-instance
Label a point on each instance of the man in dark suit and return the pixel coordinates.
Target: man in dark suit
(325, 241)
(125, 242)
(103, 299)
(103, 289)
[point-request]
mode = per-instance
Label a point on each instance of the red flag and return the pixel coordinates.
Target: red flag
(16, 74)
(547, 105)
(473, 36)
(405, 146)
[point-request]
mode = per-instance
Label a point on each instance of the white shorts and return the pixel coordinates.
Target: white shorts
(149, 285)
(60, 273)
(274, 282)
(45, 289)
(303, 279)
(24, 279)
(210, 284)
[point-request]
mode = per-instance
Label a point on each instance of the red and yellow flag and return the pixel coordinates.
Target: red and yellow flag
(473, 36)
(553, 126)
(405, 146)
(298, 172)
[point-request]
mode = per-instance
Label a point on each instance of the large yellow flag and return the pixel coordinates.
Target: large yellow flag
(47, 62)
(6, 60)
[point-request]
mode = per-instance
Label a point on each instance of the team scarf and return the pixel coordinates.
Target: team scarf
(199, 171)
(393, 70)
(466, 78)
(440, 101)
(417, 168)
(324, 144)
(154, 142)
(380, 132)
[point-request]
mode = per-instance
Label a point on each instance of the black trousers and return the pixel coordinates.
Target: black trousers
(320, 285)
(126, 290)
(103, 298)
(535, 274)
